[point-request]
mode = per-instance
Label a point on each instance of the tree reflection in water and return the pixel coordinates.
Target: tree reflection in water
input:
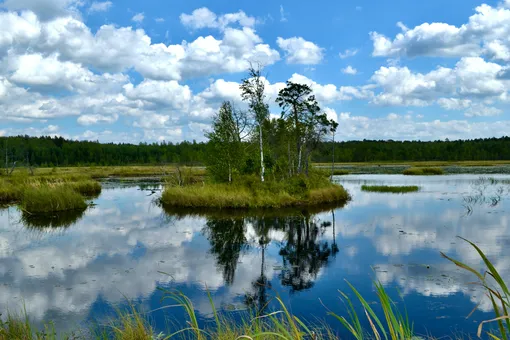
(303, 251)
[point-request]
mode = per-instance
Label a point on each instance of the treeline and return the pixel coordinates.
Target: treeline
(57, 151)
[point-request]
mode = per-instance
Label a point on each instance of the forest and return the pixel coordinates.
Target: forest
(48, 151)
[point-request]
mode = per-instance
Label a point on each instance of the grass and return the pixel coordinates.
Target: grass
(392, 189)
(12, 188)
(47, 199)
(249, 193)
(423, 171)
(340, 172)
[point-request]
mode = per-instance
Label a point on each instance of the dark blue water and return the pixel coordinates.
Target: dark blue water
(81, 268)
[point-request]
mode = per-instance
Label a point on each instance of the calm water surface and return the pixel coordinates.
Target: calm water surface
(75, 269)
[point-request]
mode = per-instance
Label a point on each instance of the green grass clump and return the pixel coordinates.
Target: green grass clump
(47, 199)
(423, 171)
(12, 187)
(17, 327)
(86, 187)
(389, 188)
(249, 192)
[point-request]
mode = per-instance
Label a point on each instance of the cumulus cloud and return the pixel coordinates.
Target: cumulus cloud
(486, 32)
(45, 10)
(300, 51)
(350, 52)
(92, 119)
(349, 70)
(472, 77)
(97, 6)
(138, 18)
(205, 18)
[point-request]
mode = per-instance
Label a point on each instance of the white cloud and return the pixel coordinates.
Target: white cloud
(486, 32)
(482, 111)
(118, 49)
(349, 70)
(300, 51)
(98, 6)
(159, 20)
(139, 17)
(283, 18)
(91, 119)
(156, 93)
(359, 127)
(454, 103)
(348, 53)
(205, 18)
(45, 9)
(471, 77)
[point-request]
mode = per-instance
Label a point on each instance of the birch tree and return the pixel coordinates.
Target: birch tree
(252, 92)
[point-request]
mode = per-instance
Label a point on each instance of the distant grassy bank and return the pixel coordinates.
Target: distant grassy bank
(249, 193)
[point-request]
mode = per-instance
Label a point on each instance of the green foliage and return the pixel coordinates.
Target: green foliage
(307, 123)
(388, 188)
(225, 139)
(423, 171)
(249, 192)
(49, 199)
(61, 152)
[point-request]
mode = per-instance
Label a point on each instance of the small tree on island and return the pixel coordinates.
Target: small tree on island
(229, 126)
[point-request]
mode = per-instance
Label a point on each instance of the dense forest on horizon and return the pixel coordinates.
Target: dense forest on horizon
(57, 151)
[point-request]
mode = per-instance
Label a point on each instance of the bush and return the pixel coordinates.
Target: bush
(423, 171)
(47, 199)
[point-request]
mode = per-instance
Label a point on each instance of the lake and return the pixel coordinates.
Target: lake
(77, 269)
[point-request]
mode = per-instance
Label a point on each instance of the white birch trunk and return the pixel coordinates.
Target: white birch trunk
(262, 169)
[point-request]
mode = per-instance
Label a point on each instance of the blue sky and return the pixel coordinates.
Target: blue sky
(131, 71)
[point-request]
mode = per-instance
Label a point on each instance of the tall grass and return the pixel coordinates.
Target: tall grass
(496, 290)
(279, 324)
(47, 199)
(19, 327)
(391, 189)
(393, 325)
(249, 192)
(423, 171)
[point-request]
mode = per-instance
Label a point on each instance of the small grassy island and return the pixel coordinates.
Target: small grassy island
(392, 189)
(423, 171)
(48, 193)
(249, 193)
(257, 162)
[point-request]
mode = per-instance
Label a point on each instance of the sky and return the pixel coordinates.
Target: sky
(152, 71)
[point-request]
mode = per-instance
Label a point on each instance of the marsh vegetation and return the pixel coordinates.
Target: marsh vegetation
(389, 188)
(423, 171)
